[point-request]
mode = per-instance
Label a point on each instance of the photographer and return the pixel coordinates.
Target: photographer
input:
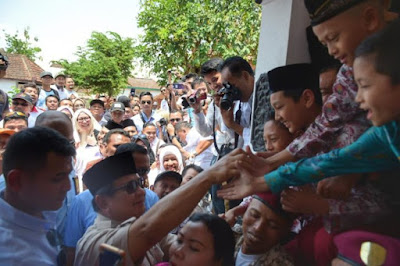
(3, 96)
(236, 102)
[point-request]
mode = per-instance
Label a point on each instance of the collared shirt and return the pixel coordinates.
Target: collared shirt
(36, 111)
(82, 215)
(376, 150)
(105, 230)
(245, 120)
(205, 126)
(340, 115)
(23, 239)
(60, 214)
(142, 118)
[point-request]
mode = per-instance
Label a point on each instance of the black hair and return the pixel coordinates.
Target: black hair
(124, 100)
(149, 124)
(189, 76)
(146, 142)
(31, 85)
(297, 93)
(212, 65)
(182, 124)
(236, 66)
(119, 131)
(383, 48)
(224, 240)
(28, 149)
(198, 81)
(197, 168)
(145, 93)
(131, 147)
(176, 111)
(52, 95)
(334, 66)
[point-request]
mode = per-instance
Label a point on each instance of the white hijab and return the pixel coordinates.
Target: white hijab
(167, 150)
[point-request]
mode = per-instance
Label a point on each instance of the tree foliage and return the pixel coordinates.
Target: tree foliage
(104, 65)
(17, 45)
(186, 33)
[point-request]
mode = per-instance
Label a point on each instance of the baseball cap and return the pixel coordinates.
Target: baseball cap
(59, 75)
(118, 106)
(23, 96)
(166, 174)
(97, 101)
(46, 73)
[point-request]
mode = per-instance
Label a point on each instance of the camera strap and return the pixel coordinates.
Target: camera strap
(238, 117)
(214, 137)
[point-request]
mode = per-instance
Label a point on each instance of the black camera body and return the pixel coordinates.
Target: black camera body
(229, 94)
(163, 122)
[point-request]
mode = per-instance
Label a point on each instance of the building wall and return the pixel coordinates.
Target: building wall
(6, 84)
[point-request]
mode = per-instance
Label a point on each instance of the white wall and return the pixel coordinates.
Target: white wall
(7, 84)
(282, 35)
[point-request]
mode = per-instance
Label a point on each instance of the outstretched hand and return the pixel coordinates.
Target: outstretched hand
(254, 164)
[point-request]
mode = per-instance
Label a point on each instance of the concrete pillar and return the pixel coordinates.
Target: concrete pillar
(282, 41)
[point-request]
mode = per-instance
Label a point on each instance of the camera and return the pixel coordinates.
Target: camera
(163, 122)
(196, 97)
(229, 94)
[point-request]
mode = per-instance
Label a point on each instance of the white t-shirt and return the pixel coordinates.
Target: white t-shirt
(245, 260)
(203, 159)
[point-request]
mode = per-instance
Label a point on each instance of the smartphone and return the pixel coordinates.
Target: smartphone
(111, 256)
(178, 86)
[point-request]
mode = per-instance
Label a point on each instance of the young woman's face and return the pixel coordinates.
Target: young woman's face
(83, 120)
(193, 246)
(171, 163)
(376, 93)
(276, 137)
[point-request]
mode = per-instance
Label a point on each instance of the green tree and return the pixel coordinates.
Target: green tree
(104, 65)
(186, 33)
(16, 45)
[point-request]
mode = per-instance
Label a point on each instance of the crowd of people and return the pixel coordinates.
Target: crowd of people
(102, 180)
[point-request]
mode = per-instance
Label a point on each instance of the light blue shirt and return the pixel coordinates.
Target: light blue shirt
(61, 214)
(23, 238)
(41, 102)
(82, 215)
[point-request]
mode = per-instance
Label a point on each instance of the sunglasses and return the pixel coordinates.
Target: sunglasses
(146, 102)
(175, 120)
(142, 171)
(20, 103)
(131, 186)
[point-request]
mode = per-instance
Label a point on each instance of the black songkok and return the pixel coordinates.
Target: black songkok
(322, 10)
(292, 77)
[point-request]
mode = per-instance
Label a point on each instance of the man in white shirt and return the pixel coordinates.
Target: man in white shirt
(199, 148)
(146, 114)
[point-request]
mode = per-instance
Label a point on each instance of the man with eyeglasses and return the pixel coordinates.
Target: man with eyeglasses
(146, 114)
(36, 164)
(122, 221)
(97, 108)
(81, 215)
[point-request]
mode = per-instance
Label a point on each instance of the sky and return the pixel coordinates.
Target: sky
(63, 25)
